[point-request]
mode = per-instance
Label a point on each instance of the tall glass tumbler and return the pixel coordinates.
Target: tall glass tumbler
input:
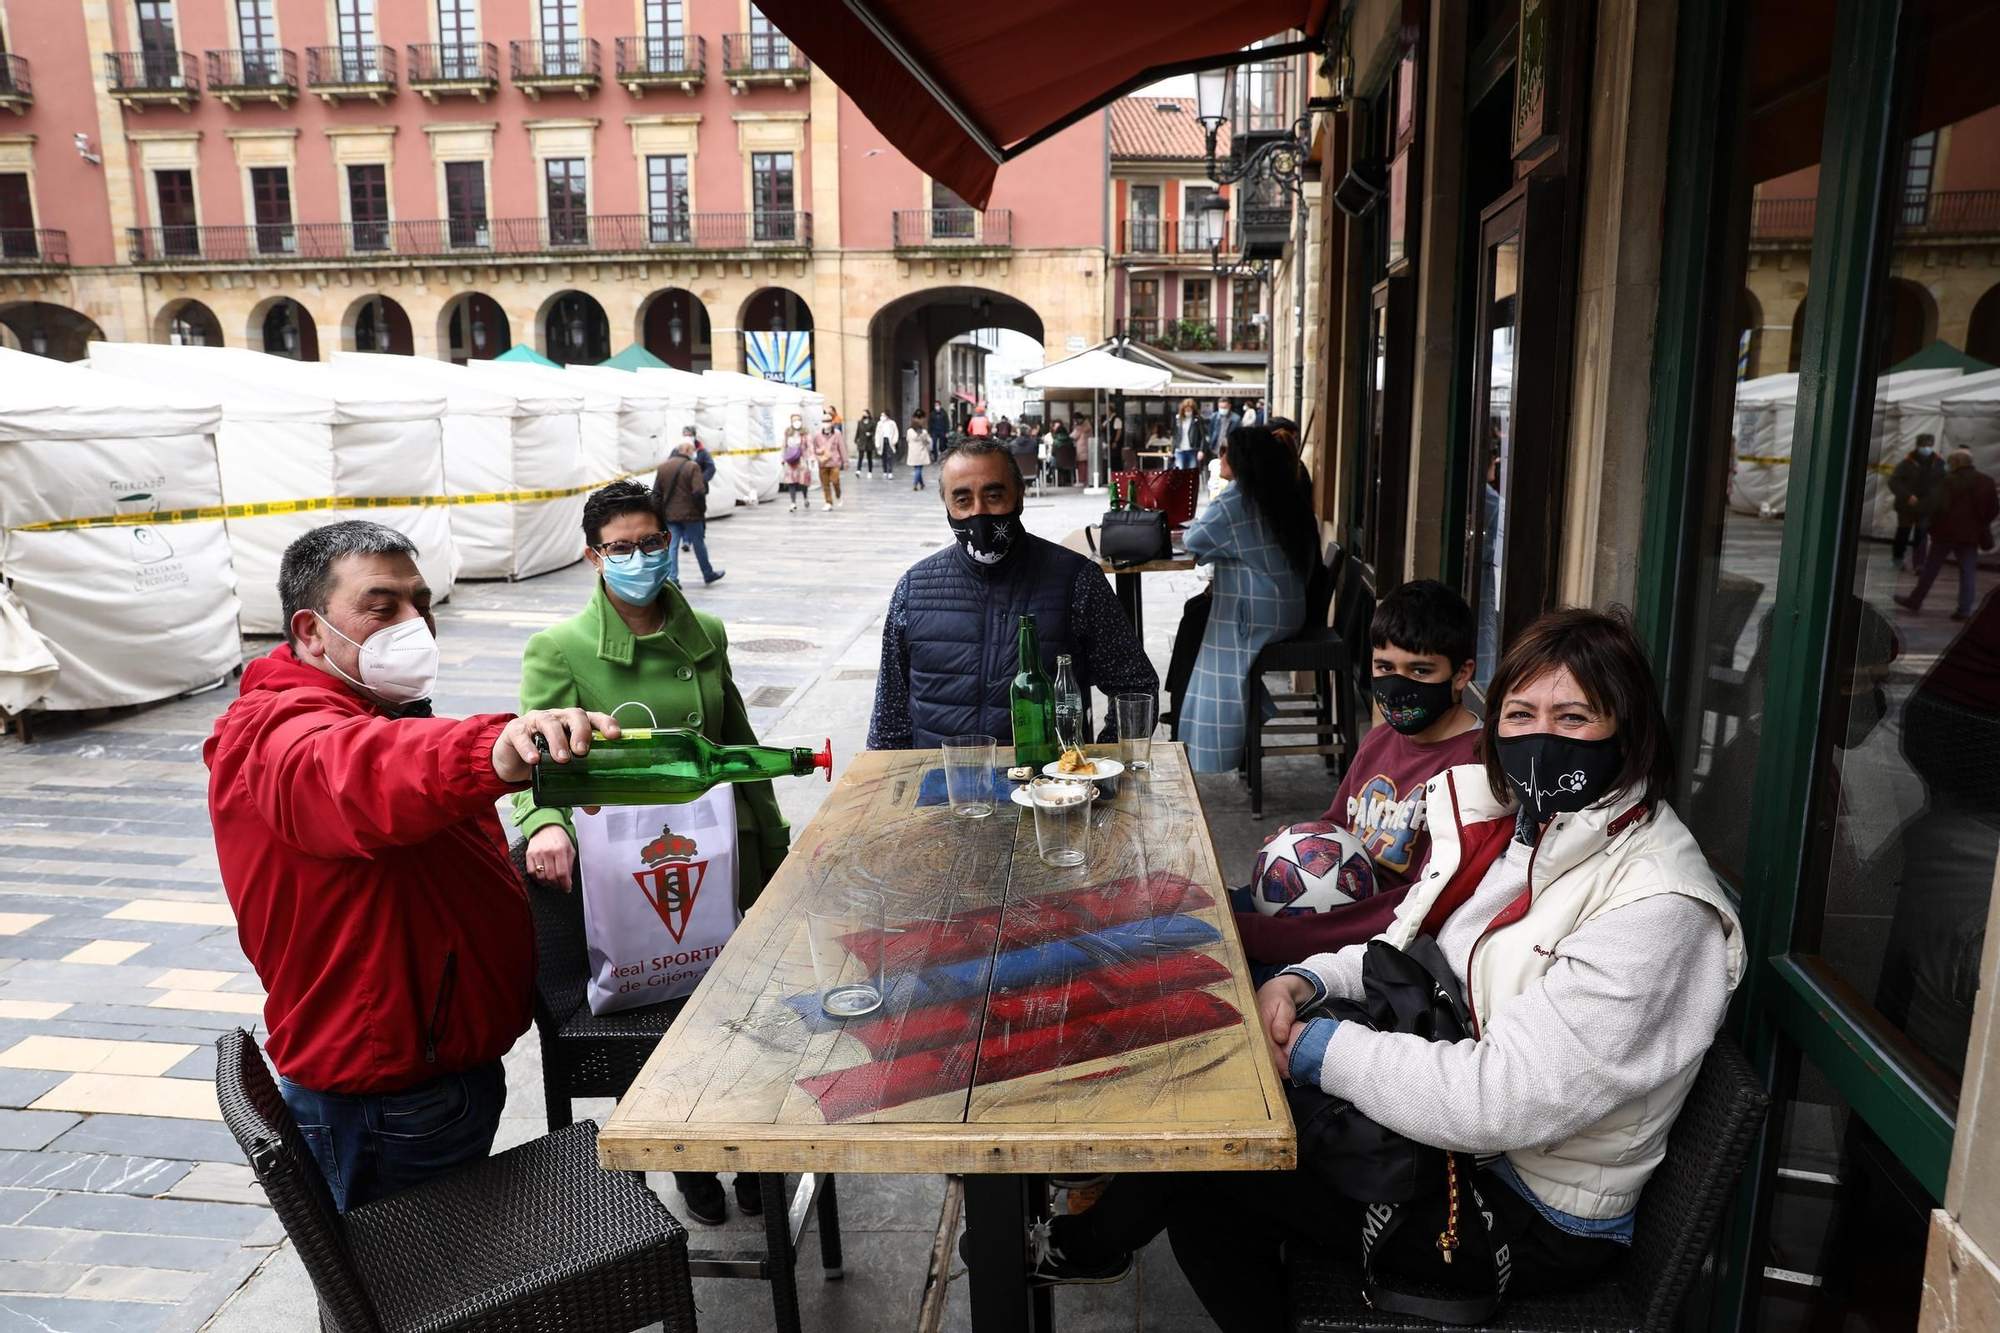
(1137, 715)
(847, 930)
(1062, 819)
(968, 775)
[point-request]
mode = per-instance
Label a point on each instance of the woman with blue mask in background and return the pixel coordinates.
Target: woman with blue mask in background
(637, 646)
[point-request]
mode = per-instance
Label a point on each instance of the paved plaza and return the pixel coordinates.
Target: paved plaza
(124, 1203)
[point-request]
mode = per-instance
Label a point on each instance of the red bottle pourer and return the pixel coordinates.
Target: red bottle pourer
(824, 759)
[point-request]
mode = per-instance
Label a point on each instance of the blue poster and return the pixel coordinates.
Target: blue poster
(784, 357)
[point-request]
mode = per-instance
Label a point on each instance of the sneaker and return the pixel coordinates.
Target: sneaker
(1049, 1267)
(793, 510)
(686, 549)
(710, 578)
(749, 1197)
(826, 504)
(701, 1197)
(1908, 603)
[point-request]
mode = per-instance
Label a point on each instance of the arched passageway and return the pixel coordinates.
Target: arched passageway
(188, 323)
(906, 337)
(473, 327)
(378, 324)
(673, 325)
(575, 331)
(285, 328)
(49, 330)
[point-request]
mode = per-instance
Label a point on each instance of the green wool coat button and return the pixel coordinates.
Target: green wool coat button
(685, 673)
(694, 719)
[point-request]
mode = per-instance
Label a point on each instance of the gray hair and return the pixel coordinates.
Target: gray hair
(979, 446)
(305, 572)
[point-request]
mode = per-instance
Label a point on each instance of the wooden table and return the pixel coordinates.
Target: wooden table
(1126, 581)
(1098, 1018)
(1162, 458)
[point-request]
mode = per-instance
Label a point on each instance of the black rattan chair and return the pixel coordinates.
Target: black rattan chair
(539, 1237)
(1682, 1205)
(1327, 653)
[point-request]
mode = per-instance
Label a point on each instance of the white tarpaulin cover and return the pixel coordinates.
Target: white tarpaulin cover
(500, 439)
(684, 391)
(129, 614)
(644, 410)
(598, 424)
(1766, 411)
(1097, 369)
(1971, 420)
(751, 433)
(1902, 414)
(296, 432)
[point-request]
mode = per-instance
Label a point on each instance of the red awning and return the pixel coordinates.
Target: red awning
(999, 75)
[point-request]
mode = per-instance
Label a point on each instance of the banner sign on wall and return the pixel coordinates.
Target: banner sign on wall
(784, 357)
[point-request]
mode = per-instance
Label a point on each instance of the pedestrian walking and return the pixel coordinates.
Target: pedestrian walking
(886, 436)
(1914, 485)
(979, 424)
(680, 494)
(1967, 504)
(917, 448)
(1190, 434)
(864, 444)
(707, 463)
(796, 472)
(829, 451)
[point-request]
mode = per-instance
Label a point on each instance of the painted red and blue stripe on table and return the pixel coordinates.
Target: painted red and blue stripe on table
(1041, 984)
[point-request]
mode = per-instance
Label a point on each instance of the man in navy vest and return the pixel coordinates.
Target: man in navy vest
(949, 642)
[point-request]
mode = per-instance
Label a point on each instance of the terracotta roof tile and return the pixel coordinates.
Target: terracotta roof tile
(1141, 128)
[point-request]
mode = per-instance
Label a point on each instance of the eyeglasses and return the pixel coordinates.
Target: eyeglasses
(623, 551)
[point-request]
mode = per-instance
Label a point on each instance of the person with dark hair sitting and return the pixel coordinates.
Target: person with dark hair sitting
(1595, 951)
(638, 642)
(948, 642)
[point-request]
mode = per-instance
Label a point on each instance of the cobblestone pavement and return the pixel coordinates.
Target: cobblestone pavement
(124, 1203)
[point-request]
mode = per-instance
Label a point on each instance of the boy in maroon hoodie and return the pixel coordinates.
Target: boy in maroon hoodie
(1423, 636)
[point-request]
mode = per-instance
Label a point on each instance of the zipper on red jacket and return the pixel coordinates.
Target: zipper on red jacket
(441, 1006)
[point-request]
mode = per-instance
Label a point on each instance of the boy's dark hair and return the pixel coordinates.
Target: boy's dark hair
(1424, 616)
(620, 497)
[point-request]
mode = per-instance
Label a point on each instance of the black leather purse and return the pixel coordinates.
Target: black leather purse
(1130, 537)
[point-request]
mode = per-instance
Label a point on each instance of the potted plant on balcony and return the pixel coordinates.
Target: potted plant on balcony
(1194, 335)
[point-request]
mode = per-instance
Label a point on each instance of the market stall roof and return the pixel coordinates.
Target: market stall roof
(1941, 355)
(634, 357)
(1098, 369)
(960, 90)
(523, 354)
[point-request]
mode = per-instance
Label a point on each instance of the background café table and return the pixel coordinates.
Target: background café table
(1099, 1018)
(1126, 581)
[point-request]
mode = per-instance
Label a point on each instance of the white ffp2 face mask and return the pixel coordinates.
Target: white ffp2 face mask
(398, 665)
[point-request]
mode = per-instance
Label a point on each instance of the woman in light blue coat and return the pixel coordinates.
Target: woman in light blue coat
(1261, 538)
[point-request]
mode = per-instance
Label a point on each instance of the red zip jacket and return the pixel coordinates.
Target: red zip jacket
(370, 881)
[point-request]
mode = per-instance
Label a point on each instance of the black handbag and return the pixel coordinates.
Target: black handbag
(1427, 1241)
(1130, 537)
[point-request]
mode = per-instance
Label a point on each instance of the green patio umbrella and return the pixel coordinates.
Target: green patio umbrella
(523, 352)
(634, 357)
(1941, 356)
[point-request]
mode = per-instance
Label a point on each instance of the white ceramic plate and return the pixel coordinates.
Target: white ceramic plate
(1104, 768)
(1024, 798)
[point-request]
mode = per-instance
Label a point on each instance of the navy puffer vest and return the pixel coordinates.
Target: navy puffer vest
(964, 625)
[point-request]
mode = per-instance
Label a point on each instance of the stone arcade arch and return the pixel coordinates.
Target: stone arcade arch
(904, 337)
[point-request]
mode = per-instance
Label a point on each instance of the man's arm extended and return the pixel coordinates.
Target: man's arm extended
(889, 727)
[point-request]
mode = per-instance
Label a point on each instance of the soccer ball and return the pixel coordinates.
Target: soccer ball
(1304, 869)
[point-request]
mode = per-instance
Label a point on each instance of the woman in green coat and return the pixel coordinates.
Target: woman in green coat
(639, 641)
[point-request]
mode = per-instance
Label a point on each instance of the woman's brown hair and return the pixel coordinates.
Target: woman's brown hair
(1601, 650)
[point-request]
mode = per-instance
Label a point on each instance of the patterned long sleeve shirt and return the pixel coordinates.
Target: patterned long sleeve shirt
(1109, 656)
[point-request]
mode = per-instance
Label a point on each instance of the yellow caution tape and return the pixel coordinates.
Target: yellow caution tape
(1883, 469)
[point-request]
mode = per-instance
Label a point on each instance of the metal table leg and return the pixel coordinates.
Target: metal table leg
(779, 1254)
(997, 1212)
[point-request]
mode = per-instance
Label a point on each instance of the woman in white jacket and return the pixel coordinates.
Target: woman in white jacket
(917, 447)
(885, 441)
(1595, 951)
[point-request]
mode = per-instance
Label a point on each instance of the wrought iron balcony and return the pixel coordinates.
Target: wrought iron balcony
(953, 228)
(571, 65)
(1946, 213)
(453, 69)
(761, 57)
(335, 72)
(240, 76)
(469, 237)
(17, 93)
(662, 62)
(1249, 335)
(141, 79)
(1141, 328)
(33, 247)
(1165, 236)
(1172, 335)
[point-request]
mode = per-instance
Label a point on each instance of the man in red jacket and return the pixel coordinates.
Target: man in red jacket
(368, 873)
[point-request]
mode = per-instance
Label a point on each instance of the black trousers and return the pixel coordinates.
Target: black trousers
(1227, 1229)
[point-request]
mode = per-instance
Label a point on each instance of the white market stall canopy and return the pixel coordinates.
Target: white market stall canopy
(129, 611)
(1902, 414)
(1766, 411)
(325, 444)
(601, 422)
(1097, 371)
(509, 440)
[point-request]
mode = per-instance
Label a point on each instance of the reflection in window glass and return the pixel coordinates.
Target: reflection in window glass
(1495, 440)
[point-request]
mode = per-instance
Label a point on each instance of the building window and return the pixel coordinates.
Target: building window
(158, 56)
(569, 212)
(771, 197)
(368, 205)
(175, 191)
(1196, 301)
(17, 217)
(465, 204)
(271, 205)
(257, 36)
(562, 49)
(667, 198)
(1201, 227)
(1246, 320)
(663, 21)
(1917, 179)
(1143, 310)
(1142, 226)
(458, 39)
(354, 24)
(951, 217)
(769, 48)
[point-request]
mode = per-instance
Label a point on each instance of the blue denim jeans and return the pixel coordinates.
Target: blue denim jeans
(371, 1145)
(695, 534)
(1187, 458)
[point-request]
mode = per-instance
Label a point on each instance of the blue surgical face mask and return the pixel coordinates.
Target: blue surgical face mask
(1925, 451)
(637, 579)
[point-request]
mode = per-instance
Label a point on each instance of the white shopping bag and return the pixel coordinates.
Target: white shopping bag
(659, 896)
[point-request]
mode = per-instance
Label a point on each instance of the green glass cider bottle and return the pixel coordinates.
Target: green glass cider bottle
(663, 767)
(1033, 697)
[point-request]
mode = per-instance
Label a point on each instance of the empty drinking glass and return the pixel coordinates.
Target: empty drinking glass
(1137, 715)
(847, 931)
(968, 775)
(1062, 819)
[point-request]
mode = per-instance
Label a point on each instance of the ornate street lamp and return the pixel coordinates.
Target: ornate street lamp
(676, 330)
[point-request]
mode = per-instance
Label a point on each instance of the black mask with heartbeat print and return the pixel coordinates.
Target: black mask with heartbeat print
(1557, 774)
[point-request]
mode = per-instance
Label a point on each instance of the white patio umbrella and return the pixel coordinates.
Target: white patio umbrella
(1098, 371)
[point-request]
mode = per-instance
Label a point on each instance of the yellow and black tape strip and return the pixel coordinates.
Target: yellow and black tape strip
(1881, 469)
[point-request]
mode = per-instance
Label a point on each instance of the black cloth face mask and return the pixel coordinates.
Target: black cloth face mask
(1558, 774)
(987, 538)
(1411, 706)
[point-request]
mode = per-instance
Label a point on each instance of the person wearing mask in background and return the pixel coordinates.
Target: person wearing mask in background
(978, 423)
(1967, 504)
(368, 876)
(1190, 435)
(796, 465)
(864, 444)
(706, 463)
(680, 495)
(1260, 537)
(1221, 426)
(829, 453)
(917, 448)
(886, 436)
(637, 641)
(1914, 486)
(942, 673)
(1253, 415)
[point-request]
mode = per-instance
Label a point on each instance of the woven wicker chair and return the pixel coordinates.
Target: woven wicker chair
(1683, 1203)
(537, 1238)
